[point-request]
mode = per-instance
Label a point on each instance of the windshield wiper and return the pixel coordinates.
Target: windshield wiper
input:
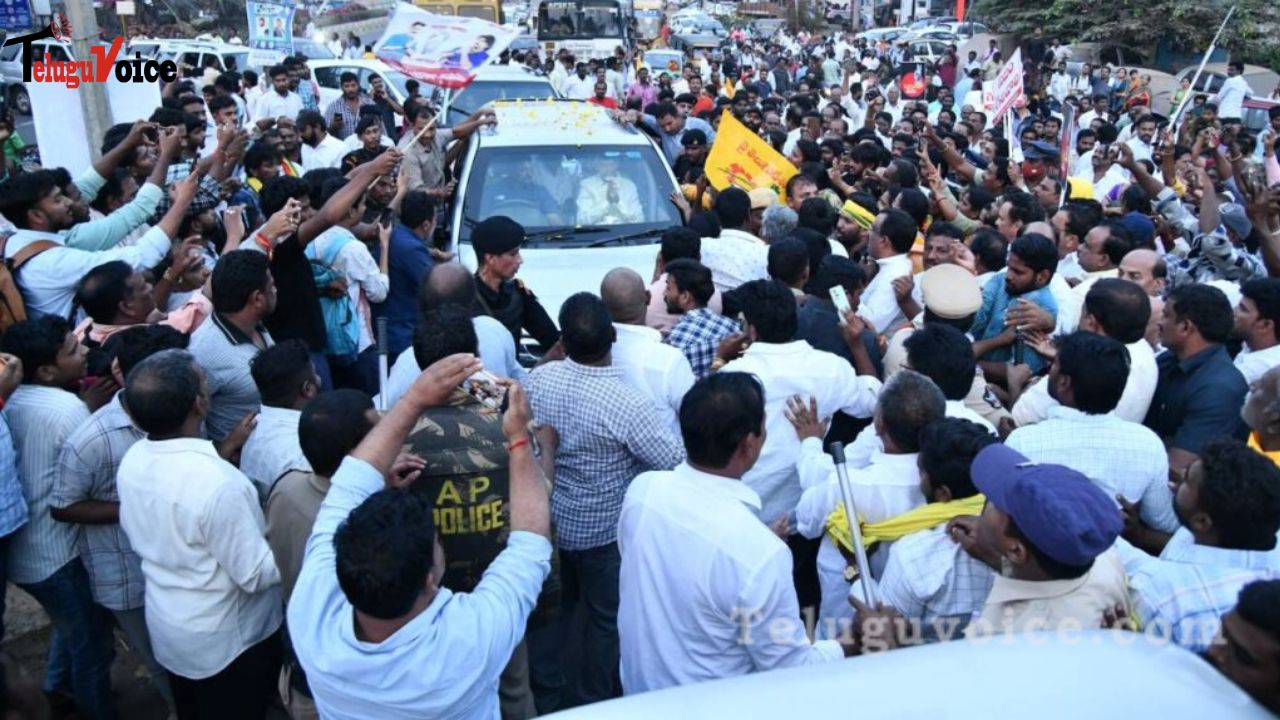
(565, 232)
(651, 232)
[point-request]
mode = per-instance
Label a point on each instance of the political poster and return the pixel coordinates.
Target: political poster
(270, 33)
(16, 15)
(441, 50)
(741, 158)
(1008, 88)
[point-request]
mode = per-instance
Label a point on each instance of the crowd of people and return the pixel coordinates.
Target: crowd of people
(1056, 382)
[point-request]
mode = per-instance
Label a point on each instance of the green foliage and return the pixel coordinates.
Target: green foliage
(1141, 24)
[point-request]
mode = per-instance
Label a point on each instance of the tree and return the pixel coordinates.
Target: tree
(1142, 24)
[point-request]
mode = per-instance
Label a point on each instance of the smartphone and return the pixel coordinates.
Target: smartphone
(841, 300)
(484, 387)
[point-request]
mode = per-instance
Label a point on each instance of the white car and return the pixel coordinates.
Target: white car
(328, 75)
(535, 165)
(1049, 676)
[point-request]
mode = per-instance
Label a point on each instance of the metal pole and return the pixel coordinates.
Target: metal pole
(1173, 121)
(855, 529)
(93, 96)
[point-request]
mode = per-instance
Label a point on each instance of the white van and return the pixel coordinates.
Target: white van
(536, 165)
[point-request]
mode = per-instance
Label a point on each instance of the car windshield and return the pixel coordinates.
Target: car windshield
(237, 60)
(398, 79)
(481, 93)
(564, 20)
(571, 196)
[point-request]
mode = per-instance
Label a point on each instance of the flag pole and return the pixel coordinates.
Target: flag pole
(1173, 121)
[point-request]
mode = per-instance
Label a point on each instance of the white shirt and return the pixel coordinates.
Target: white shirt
(734, 258)
(1231, 96)
(1141, 150)
(366, 282)
(1119, 456)
(327, 154)
(1035, 403)
(1069, 267)
(272, 105)
(576, 88)
(696, 568)
(1253, 364)
(594, 207)
(658, 370)
(885, 488)
(445, 662)
(879, 303)
(213, 589)
(40, 420)
(497, 354)
(788, 369)
(273, 448)
(48, 280)
(1059, 86)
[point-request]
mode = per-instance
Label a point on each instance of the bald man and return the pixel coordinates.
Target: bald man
(659, 371)
(451, 284)
(1147, 268)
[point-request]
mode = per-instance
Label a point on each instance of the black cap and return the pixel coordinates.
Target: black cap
(497, 235)
(693, 137)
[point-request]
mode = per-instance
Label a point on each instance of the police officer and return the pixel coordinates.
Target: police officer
(496, 242)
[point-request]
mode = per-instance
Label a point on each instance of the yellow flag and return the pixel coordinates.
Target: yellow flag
(743, 159)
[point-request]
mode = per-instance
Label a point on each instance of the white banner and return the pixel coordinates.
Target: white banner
(441, 50)
(1008, 88)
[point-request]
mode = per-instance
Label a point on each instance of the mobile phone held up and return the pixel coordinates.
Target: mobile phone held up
(841, 300)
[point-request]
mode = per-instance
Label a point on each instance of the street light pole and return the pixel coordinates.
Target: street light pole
(93, 96)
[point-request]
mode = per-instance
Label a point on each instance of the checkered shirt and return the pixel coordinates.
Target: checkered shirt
(87, 471)
(1183, 594)
(698, 334)
(609, 433)
(932, 579)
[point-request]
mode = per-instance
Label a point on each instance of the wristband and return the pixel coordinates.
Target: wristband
(512, 446)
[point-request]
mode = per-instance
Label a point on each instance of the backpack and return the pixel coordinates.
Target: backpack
(341, 321)
(13, 309)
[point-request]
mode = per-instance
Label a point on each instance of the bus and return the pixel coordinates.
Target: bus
(490, 10)
(649, 16)
(590, 29)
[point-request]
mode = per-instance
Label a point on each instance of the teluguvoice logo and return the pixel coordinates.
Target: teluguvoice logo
(96, 69)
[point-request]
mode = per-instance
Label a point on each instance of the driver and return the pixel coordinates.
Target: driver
(608, 198)
(516, 183)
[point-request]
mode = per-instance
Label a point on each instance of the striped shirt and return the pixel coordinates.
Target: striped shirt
(87, 471)
(610, 432)
(41, 419)
(224, 351)
(13, 507)
(1183, 594)
(930, 578)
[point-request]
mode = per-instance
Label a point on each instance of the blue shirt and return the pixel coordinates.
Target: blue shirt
(13, 507)
(1197, 399)
(989, 322)
(443, 663)
(410, 262)
(671, 145)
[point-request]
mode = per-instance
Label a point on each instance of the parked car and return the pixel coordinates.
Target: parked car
(328, 75)
(1261, 80)
(888, 34)
(15, 93)
(530, 166)
(495, 83)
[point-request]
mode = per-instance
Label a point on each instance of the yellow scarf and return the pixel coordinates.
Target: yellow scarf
(1255, 445)
(922, 518)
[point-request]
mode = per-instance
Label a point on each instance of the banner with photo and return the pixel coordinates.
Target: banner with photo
(270, 32)
(441, 50)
